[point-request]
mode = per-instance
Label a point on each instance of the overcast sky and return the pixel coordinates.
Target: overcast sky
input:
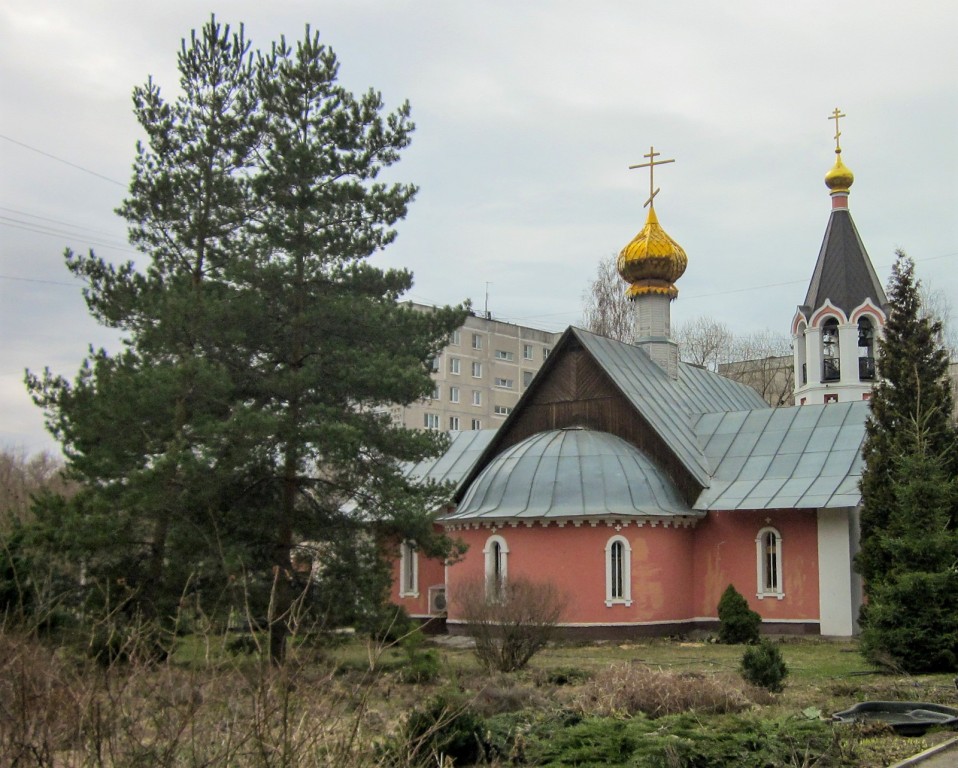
(528, 115)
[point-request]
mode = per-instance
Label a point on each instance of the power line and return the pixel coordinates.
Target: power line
(55, 221)
(61, 160)
(36, 280)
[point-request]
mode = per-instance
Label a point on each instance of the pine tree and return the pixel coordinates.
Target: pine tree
(247, 411)
(909, 547)
(913, 384)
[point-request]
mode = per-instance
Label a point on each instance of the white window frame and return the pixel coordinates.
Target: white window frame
(431, 421)
(625, 571)
(546, 351)
(502, 354)
(494, 585)
(454, 365)
(767, 587)
(505, 383)
(456, 338)
(453, 394)
(477, 424)
(476, 341)
(408, 570)
(477, 397)
(453, 423)
(527, 352)
(435, 393)
(476, 370)
(502, 410)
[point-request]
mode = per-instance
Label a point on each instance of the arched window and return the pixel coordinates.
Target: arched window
(618, 571)
(768, 554)
(802, 360)
(408, 570)
(866, 350)
(497, 565)
(831, 365)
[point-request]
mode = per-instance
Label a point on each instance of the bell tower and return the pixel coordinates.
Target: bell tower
(651, 263)
(836, 330)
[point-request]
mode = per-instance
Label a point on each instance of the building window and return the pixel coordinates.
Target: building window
(497, 562)
(866, 350)
(831, 398)
(476, 341)
(456, 338)
(831, 360)
(434, 364)
(476, 424)
(505, 383)
(430, 421)
(526, 351)
(453, 394)
(435, 392)
(408, 570)
(527, 377)
(477, 397)
(768, 552)
(502, 354)
(454, 365)
(502, 410)
(618, 571)
(477, 370)
(546, 352)
(453, 423)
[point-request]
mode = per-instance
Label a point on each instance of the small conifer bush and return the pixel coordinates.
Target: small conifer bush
(763, 665)
(737, 622)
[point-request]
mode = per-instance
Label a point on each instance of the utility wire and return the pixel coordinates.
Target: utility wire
(61, 160)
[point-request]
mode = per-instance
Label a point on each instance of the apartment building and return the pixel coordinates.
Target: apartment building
(479, 376)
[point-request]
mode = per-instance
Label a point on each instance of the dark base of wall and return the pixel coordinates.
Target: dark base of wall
(699, 629)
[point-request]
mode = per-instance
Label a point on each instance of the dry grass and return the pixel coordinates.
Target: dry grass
(629, 689)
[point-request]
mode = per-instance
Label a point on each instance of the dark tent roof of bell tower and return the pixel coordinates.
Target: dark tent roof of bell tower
(843, 274)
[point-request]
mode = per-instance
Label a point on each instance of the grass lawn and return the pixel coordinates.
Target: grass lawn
(824, 677)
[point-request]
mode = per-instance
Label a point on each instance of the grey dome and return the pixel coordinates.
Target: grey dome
(571, 473)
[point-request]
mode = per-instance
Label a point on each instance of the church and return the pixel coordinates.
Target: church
(641, 486)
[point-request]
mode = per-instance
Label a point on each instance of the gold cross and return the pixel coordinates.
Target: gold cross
(834, 116)
(651, 166)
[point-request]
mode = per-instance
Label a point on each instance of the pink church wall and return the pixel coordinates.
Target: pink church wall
(725, 554)
(574, 559)
(431, 574)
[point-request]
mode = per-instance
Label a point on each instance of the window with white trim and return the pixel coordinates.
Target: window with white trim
(546, 351)
(408, 570)
(454, 423)
(476, 424)
(477, 397)
(434, 364)
(435, 392)
(505, 383)
(430, 420)
(768, 555)
(526, 351)
(502, 410)
(455, 338)
(618, 571)
(453, 394)
(502, 354)
(496, 554)
(477, 370)
(454, 365)
(476, 341)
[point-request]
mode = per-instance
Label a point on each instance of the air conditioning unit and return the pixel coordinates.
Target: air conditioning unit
(437, 600)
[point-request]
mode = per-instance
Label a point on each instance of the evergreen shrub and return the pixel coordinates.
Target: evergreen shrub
(737, 622)
(764, 666)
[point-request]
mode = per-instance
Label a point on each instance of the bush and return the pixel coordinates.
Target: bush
(911, 623)
(442, 727)
(764, 666)
(631, 689)
(422, 666)
(737, 622)
(513, 625)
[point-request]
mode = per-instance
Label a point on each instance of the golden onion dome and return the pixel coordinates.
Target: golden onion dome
(652, 261)
(839, 178)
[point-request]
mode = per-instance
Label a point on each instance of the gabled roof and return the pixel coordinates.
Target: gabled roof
(669, 405)
(463, 451)
(803, 457)
(843, 273)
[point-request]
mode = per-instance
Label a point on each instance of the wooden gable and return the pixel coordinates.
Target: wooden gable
(572, 390)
